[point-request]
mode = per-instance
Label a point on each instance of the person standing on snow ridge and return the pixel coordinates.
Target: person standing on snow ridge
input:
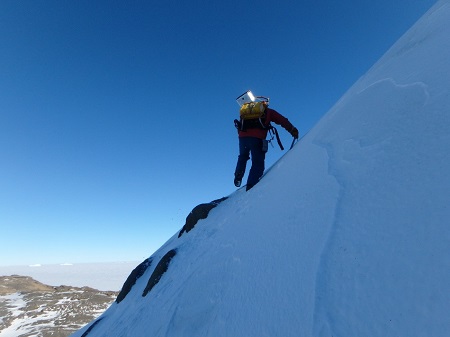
(252, 140)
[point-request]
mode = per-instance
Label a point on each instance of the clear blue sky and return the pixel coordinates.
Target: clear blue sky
(116, 117)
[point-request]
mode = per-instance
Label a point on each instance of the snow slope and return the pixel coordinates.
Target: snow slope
(347, 235)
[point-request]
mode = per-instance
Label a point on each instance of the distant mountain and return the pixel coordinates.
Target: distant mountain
(102, 276)
(347, 235)
(30, 308)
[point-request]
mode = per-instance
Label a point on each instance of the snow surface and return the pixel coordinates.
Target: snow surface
(347, 235)
(22, 326)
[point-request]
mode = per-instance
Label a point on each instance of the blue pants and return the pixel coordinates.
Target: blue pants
(253, 146)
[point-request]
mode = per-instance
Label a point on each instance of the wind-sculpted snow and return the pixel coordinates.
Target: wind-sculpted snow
(366, 152)
(401, 146)
(92, 326)
(346, 235)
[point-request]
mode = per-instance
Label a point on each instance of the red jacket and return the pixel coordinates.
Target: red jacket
(271, 116)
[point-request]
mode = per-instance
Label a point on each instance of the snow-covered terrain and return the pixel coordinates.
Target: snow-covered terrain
(62, 304)
(30, 308)
(347, 235)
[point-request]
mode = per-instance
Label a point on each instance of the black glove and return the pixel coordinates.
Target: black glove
(294, 132)
(237, 124)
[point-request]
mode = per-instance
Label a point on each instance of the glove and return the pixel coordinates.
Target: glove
(237, 124)
(294, 132)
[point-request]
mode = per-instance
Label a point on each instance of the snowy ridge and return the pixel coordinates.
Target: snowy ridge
(346, 235)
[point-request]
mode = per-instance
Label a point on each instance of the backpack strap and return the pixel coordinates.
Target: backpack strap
(273, 129)
(254, 123)
(239, 125)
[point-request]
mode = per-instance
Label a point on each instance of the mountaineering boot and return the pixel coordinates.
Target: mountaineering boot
(237, 182)
(238, 175)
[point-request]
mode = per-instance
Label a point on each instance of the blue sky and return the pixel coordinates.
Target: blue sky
(116, 117)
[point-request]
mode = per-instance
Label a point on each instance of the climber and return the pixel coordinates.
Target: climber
(253, 126)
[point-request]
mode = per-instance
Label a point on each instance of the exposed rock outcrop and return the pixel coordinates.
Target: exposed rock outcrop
(160, 269)
(132, 278)
(199, 212)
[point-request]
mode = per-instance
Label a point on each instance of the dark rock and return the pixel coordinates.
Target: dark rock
(160, 269)
(132, 278)
(199, 212)
(25, 284)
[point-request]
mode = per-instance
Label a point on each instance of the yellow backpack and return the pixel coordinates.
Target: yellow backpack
(253, 110)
